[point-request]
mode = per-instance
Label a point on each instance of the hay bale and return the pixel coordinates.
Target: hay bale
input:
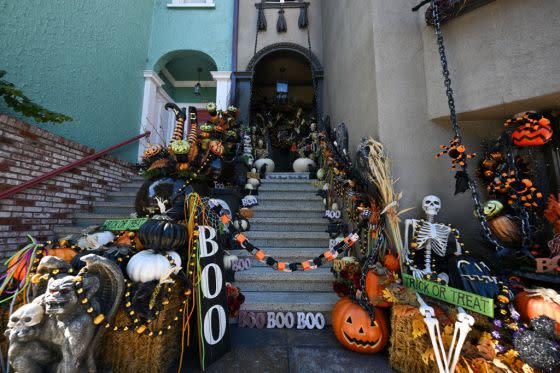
(405, 352)
(127, 352)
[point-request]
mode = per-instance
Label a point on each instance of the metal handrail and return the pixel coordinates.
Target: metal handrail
(51, 174)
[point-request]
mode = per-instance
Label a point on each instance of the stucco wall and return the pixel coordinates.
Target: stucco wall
(208, 30)
(388, 38)
(84, 59)
(504, 59)
(248, 26)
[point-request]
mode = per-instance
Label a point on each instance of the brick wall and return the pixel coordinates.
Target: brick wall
(27, 152)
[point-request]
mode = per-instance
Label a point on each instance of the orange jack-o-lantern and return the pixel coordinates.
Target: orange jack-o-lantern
(355, 330)
(532, 130)
(216, 147)
(374, 289)
(152, 151)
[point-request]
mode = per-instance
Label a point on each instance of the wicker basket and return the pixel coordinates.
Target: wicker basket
(128, 352)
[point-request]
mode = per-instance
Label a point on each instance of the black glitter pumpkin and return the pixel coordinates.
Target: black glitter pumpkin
(162, 234)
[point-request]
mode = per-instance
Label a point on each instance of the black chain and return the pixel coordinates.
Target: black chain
(502, 250)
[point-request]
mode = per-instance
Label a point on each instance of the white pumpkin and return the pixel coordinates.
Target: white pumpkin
(229, 260)
(269, 164)
(334, 207)
(320, 173)
(147, 266)
(303, 164)
(94, 241)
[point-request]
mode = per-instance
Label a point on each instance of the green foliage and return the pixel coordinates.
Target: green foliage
(15, 99)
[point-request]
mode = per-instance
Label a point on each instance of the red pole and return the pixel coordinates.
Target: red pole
(51, 174)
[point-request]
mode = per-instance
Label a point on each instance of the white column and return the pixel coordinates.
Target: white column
(223, 86)
(149, 118)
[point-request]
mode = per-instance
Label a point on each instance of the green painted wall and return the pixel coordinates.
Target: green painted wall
(81, 58)
(208, 30)
(186, 95)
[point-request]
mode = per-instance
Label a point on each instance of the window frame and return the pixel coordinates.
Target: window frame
(199, 4)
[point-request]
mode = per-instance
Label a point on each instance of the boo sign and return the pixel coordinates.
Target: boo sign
(214, 339)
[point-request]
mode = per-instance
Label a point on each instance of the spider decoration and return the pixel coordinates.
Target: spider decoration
(523, 192)
(457, 153)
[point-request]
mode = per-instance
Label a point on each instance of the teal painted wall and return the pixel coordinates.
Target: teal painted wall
(81, 58)
(186, 95)
(208, 30)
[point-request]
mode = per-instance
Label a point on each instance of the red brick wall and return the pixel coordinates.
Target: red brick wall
(27, 152)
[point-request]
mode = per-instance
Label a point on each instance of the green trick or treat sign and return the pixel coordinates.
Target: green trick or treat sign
(451, 295)
(124, 224)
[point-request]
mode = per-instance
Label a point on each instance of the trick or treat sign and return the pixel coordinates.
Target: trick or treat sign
(451, 295)
(214, 339)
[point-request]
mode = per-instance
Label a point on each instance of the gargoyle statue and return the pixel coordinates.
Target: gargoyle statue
(67, 334)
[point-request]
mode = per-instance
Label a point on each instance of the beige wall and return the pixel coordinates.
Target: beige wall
(504, 58)
(377, 59)
(248, 25)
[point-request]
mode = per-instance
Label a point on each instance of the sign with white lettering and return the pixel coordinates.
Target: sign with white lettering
(451, 295)
(214, 339)
(279, 320)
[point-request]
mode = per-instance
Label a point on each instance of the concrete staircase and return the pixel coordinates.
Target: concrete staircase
(288, 226)
(118, 205)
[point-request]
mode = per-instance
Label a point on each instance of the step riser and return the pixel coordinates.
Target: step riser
(290, 242)
(287, 214)
(259, 264)
(288, 286)
(113, 210)
(269, 195)
(286, 227)
(294, 204)
(288, 188)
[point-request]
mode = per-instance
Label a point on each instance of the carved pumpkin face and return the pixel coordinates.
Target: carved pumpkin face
(532, 130)
(354, 329)
(216, 147)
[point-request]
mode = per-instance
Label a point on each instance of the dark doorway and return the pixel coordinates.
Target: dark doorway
(283, 109)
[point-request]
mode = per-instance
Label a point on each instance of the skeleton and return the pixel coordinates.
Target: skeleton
(431, 236)
(61, 330)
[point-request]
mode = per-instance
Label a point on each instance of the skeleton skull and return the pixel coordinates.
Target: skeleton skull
(24, 319)
(431, 205)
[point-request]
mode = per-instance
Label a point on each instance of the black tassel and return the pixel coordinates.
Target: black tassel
(281, 25)
(303, 21)
(261, 19)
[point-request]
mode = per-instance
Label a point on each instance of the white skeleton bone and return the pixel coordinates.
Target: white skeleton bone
(446, 360)
(431, 236)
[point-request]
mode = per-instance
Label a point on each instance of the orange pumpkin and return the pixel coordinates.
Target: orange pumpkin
(64, 253)
(539, 302)
(532, 132)
(183, 166)
(246, 212)
(354, 329)
(391, 262)
(505, 229)
(152, 151)
(125, 239)
(374, 289)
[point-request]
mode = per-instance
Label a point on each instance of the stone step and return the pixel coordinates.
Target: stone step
(264, 280)
(287, 187)
(130, 187)
(264, 239)
(272, 196)
(290, 255)
(86, 219)
(114, 207)
(123, 193)
(287, 176)
(288, 181)
(291, 203)
(63, 230)
(291, 302)
(288, 224)
(264, 209)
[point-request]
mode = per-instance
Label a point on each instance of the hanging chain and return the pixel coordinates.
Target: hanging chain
(502, 250)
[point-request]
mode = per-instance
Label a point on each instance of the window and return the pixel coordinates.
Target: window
(191, 4)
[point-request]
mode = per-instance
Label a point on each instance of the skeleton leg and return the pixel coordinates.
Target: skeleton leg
(462, 328)
(433, 327)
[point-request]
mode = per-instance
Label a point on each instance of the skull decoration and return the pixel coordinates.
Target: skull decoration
(431, 205)
(23, 321)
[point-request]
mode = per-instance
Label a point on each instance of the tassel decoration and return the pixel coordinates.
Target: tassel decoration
(303, 20)
(281, 25)
(261, 19)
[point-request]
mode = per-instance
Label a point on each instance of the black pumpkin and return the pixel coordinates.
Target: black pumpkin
(161, 234)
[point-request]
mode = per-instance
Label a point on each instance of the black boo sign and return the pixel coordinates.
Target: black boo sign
(214, 339)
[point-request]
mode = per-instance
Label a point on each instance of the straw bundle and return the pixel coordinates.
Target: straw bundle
(127, 352)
